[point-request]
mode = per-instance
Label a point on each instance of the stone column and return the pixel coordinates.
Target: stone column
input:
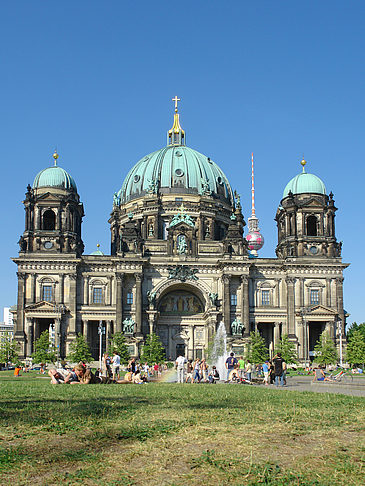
(290, 306)
(139, 278)
(30, 336)
(62, 288)
(119, 302)
(328, 292)
(34, 288)
(36, 329)
(107, 335)
(58, 336)
(72, 304)
(19, 324)
(339, 303)
(276, 334)
(245, 306)
(226, 304)
(86, 290)
(86, 332)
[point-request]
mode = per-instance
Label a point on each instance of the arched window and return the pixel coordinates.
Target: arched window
(49, 220)
(311, 226)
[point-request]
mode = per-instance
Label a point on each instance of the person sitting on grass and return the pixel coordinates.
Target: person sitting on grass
(234, 376)
(319, 375)
(61, 375)
(213, 376)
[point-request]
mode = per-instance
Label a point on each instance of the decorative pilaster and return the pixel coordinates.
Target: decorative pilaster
(119, 302)
(290, 306)
(245, 305)
(72, 305)
(19, 325)
(226, 304)
(139, 278)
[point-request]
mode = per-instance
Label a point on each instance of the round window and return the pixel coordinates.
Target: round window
(136, 178)
(48, 245)
(219, 180)
(179, 172)
(178, 153)
(313, 250)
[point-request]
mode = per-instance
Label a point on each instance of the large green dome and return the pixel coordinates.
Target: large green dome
(177, 169)
(54, 177)
(304, 183)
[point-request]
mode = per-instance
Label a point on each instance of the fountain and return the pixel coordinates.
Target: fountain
(219, 351)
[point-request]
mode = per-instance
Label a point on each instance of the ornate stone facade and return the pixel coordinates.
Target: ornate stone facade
(179, 264)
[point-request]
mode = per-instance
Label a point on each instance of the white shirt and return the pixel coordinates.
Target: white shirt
(180, 361)
(116, 360)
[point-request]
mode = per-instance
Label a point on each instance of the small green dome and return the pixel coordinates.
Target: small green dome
(176, 169)
(304, 183)
(54, 177)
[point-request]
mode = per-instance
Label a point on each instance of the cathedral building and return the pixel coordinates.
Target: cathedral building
(179, 263)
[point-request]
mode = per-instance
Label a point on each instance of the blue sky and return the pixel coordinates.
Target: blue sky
(95, 79)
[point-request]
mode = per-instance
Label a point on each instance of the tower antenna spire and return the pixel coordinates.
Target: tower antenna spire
(252, 188)
(255, 240)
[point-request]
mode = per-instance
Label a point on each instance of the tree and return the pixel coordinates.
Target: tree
(257, 351)
(44, 350)
(355, 353)
(8, 350)
(79, 350)
(118, 344)
(287, 349)
(325, 350)
(355, 327)
(153, 350)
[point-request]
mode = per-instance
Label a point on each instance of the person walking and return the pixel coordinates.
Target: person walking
(231, 361)
(189, 372)
(278, 369)
(265, 369)
(196, 377)
(249, 371)
(115, 365)
(241, 368)
(204, 370)
(180, 362)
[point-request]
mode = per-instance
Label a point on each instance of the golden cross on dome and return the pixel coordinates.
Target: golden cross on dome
(176, 99)
(182, 208)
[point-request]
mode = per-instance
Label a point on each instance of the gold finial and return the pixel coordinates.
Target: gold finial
(303, 162)
(98, 245)
(176, 99)
(55, 157)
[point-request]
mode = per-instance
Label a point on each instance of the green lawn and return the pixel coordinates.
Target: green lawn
(169, 434)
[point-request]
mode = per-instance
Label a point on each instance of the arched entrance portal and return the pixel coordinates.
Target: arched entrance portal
(181, 323)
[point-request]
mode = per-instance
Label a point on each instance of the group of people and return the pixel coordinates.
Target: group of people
(196, 371)
(238, 370)
(273, 371)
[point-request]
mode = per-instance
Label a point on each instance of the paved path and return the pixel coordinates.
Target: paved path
(305, 383)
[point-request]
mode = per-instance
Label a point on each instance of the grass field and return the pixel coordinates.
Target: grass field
(169, 434)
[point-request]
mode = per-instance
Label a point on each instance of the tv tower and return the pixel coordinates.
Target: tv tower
(254, 238)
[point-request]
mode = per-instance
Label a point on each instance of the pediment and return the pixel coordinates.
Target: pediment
(44, 307)
(320, 310)
(48, 196)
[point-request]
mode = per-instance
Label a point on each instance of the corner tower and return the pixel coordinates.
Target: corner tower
(306, 219)
(53, 214)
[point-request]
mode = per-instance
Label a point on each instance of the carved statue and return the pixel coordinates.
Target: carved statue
(238, 199)
(205, 187)
(182, 273)
(182, 245)
(213, 296)
(116, 200)
(151, 296)
(150, 229)
(152, 186)
(236, 327)
(23, 244)
(128, 326)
